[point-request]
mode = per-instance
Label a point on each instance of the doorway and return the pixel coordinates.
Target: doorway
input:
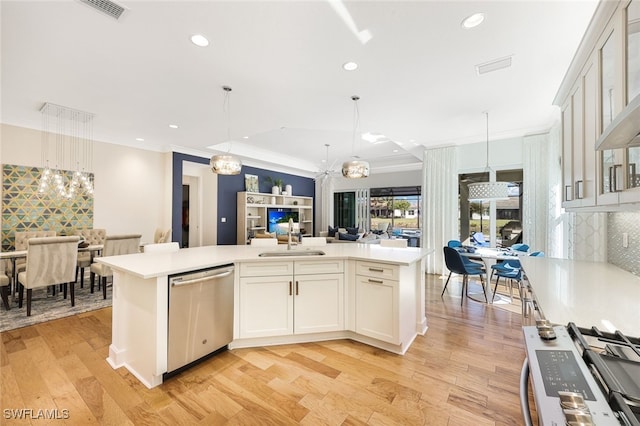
(191, 236)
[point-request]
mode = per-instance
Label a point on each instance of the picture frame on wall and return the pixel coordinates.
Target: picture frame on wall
(251, 183)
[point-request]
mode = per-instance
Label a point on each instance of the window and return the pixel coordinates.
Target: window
(397, 206)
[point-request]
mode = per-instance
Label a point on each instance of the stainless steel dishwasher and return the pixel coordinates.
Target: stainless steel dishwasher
(200, 316)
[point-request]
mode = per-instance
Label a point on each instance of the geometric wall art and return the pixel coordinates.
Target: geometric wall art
(25, 209)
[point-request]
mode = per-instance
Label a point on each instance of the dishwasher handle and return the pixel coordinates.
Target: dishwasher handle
(202, 279)
(524, 393)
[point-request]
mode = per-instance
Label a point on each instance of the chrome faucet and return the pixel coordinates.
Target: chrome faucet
(289, 233)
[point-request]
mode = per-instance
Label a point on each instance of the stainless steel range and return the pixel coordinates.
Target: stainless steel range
(580, 376)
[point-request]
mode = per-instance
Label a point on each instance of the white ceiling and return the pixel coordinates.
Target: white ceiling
(283, 59)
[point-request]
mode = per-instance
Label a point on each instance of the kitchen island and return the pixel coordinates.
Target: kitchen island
(368, 293)
(587, 293)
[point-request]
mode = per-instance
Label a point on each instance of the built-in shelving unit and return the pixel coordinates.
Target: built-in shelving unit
(254, 207)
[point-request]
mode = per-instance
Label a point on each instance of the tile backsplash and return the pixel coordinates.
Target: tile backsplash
(617, 224)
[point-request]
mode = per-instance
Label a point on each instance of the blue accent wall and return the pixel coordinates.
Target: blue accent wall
(228, 187)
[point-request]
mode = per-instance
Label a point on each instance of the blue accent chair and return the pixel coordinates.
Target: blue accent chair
(454, 261)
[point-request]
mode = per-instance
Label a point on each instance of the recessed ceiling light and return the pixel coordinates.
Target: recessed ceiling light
(350, 66)
(473, 20)
(140, 139)
(199, 40)
(245, 137)
(395, 150)
(173, 126)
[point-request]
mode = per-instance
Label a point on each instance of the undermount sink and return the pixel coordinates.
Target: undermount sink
(292, 253)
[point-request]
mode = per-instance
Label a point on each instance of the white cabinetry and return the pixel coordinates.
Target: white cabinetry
(254, 207)
(290, 297)
(377, 301)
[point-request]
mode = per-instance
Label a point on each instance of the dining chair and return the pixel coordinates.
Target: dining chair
(4, 290)
(396, 242)
(114, 245)
(50, 261)
(520, 247)
(92, 237)
(21, 238)
(511, 270)
(161, 248)
(162, 236)
(457, 244)
(313, 241)
(264, 242)
(455, 265)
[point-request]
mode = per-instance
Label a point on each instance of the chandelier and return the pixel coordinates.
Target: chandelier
(488, 191)
(355, 168)
(226, 164)
(68, 133)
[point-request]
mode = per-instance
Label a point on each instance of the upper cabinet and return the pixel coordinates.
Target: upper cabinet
(600, 104)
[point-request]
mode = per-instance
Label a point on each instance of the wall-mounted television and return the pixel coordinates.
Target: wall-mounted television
(278, 220)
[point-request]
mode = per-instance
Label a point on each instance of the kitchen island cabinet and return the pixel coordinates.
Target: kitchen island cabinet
(140, 298)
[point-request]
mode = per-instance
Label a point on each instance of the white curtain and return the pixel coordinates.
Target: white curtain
(439, 203)
(543, 222)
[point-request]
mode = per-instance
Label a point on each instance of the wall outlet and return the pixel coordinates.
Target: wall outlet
(625, 240)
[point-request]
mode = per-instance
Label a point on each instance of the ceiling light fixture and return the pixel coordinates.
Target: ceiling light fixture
(173, 126)
(199, 40)
(488, 191)
(350, 66)
(226, 164)
(355, 168)
(472, 21)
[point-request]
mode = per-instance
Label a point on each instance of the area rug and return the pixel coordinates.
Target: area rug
(46, 307)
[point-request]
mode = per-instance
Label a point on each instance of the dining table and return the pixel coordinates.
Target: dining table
(489, 257)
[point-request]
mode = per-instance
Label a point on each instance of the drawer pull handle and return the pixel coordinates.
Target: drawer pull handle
(376, 281)
(290, 289)
(296, 288)
(376, 269)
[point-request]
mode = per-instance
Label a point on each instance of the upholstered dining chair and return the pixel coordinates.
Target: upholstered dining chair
(455, 265)
(264, 242)
(4, 290)
(20, 243)
(162, 236)
(114, 245)
(313, 241)
(92, 237)
(50, 261)
(161, 247)
(396, 242)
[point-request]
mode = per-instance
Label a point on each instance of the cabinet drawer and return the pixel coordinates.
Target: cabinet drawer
(265, 269)
(378, 270)
(304, 267)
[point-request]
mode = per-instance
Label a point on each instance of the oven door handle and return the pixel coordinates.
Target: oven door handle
(524, 393)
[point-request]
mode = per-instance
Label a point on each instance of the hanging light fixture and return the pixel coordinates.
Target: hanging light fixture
(226, 164)
(488, 191)
(355, 168)
(72, 131)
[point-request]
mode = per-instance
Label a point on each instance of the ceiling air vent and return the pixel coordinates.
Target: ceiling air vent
(496, 64)
(105, 6)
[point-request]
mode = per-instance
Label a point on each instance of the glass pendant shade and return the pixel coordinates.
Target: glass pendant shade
(226, 164)
(486, 191)
(355, 169)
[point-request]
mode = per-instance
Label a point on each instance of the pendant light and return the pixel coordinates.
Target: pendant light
(226, 164)
(488, 191)
(355, 168)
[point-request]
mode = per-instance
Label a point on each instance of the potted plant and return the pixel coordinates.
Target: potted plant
(276, 185)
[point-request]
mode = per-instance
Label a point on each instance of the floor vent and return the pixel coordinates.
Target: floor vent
(105, 6)
(496, 64)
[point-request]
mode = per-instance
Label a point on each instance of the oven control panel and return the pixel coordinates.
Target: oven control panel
(556, 368)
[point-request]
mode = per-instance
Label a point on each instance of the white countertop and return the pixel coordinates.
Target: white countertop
(150, 265)
(587, 293)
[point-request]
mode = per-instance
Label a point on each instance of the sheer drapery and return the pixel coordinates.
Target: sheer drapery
(542, 218)
(439, 203)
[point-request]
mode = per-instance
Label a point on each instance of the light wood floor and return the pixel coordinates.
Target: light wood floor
(464, 371)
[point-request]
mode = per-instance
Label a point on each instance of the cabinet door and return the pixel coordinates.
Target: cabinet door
(567, 153)
(377, 308)
(577, 145)
(319, 303)
(266, 306)
(588, 187)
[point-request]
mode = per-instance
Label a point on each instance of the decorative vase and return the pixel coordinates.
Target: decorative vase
(288, 189)
(275, 190)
